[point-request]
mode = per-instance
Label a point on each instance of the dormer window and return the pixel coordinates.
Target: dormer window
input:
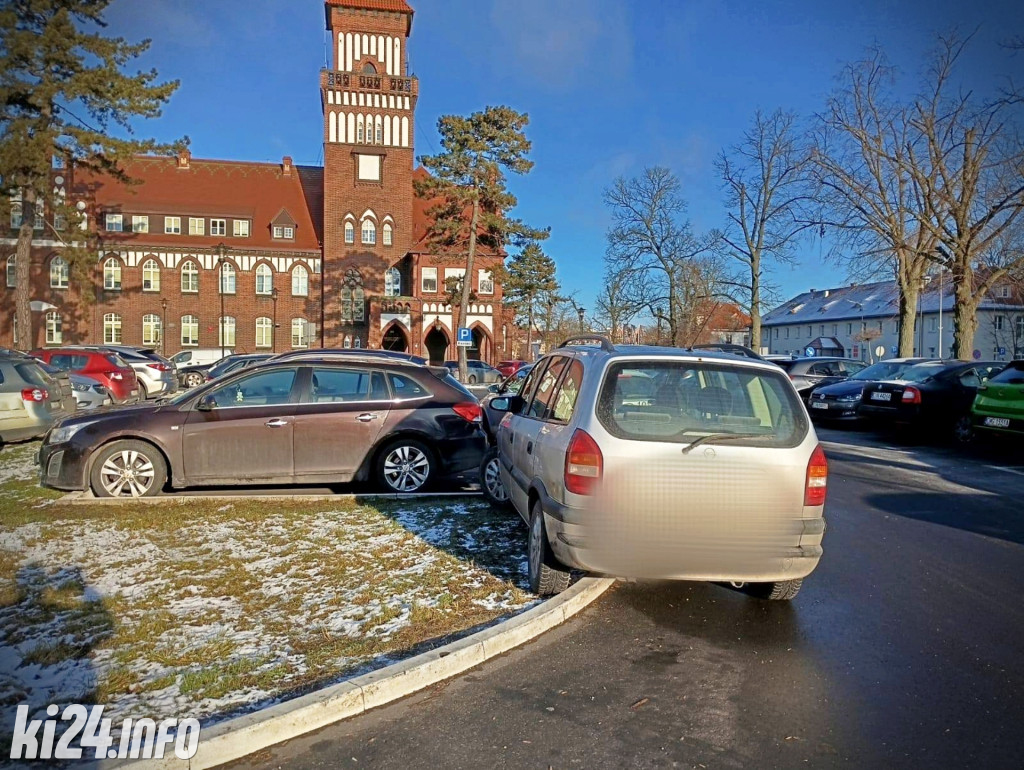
(282, 227)
(285, 232)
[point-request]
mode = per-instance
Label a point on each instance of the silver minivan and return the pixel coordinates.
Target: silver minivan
(663, 463)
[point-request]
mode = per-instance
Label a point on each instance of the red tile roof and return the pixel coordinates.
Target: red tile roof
(398, 6)
(220, 188)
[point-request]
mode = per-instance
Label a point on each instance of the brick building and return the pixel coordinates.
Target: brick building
(258, 256)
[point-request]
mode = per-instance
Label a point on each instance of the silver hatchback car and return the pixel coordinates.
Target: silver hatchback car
(663, 463)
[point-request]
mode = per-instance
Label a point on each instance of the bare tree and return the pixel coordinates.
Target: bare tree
(866, 187)
(616, 305)
(764, 177)
(652, 242)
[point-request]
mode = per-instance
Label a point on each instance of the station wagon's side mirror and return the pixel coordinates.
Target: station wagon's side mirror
(206, 404)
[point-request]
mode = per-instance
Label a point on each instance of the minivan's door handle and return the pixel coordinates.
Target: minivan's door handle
(277, 422)
(366, 417)
(529, 447)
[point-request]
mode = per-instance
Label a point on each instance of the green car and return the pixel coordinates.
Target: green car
(999, 405)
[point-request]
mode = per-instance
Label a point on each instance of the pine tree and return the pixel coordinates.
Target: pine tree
(468, 181)
(64, 92)
(530, 286)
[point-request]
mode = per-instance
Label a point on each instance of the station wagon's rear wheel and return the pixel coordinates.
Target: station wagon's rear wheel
(547, 575)
(490, 479)
(128, 469)
(406, 465)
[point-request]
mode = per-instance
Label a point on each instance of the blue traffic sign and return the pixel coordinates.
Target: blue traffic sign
(1002, 351)
(809, 352)
(465, 335)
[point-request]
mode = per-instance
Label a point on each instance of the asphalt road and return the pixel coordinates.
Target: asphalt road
(904, 649)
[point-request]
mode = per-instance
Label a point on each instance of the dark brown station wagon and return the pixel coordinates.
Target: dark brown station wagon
(311, 421)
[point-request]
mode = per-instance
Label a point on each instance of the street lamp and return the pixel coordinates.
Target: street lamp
(163, 324)
(582, 312)
(273, 328)
(220, 251)
(657, 316)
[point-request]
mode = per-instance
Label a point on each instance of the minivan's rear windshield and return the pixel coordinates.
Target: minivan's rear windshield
(681, 401)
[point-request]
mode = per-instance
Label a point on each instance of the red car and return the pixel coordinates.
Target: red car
(508, 368)
(116, 375)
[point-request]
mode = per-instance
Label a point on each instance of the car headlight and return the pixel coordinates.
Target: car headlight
(63, 433)
(851, 397)
(80, 387)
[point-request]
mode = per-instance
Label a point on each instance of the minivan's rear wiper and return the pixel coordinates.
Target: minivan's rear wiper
(719, 437)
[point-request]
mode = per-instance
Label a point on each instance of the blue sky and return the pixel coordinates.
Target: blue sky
(610, 86)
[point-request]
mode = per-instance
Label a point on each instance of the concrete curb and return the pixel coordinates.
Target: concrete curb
(239, 737)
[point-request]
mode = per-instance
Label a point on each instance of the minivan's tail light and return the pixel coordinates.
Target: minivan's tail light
(817, 478)
(159, 367)
(584, 464)
(115, 375)
(38, 395)
(911, 395)
(469, 411)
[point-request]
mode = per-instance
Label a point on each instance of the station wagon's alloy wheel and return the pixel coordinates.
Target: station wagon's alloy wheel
(547, 576)
(490, 479)
(405, 466)
(128, 469)
(193, 379)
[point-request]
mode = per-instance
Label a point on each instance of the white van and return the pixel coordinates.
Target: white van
(200, 356)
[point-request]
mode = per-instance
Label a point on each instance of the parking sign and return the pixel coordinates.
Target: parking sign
(464, 338)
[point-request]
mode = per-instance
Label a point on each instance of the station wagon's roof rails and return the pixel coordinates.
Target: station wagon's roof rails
(583, 339)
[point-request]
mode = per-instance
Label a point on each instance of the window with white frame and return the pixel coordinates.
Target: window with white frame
(264, 279)
(189, 277)
(350, 233)
(12, 271)
(151, 275)
(140, 223)
(112, 274)
(58, 273)
(357, 343)
(379, 133)
(300, 281)
(196, 226)
(172, 225)
(428, 280)
(16, 215)
(1004, 292)
(227, 278)
(264, 332)
(218, 227)
(54, 328)
(368, 168)
(114, 223)
(152, 329)
(111, 329)
(392, 282)
(226, 337)
(485, 280)
(997, 322)
(388, 234)
(240, 228)
(369, 232)
(189, 330)
(359, 130)
(299, 338)
(284, 232)
(348, 341)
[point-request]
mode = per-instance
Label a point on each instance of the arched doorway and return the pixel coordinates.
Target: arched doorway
(395, 339)
(481, 350)
(436, 343)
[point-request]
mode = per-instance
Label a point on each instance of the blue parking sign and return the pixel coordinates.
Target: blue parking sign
(464, 339)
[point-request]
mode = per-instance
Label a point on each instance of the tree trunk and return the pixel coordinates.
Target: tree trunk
(965, 314)
(467, 286)
(528, 355)
(755, 304)
(908, 319)
(26, 339)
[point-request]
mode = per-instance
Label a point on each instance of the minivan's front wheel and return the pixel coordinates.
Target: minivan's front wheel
(780, 590)
(128, 469)
(547, 575)
(490, 479)
(406, 465)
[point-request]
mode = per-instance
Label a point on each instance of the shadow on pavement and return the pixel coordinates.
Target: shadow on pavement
(1002, 519)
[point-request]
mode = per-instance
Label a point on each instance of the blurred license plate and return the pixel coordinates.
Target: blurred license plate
(135, 392)
(997, 422)
(879, 396)
(819, 405)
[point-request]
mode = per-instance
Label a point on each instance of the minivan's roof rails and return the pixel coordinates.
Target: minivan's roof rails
(604, 342)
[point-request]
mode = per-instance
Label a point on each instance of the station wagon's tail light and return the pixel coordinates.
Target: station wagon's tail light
(817, 478)
(38, 395)
(469, 411)
(584, 464)
(159, 367)
(911, 395)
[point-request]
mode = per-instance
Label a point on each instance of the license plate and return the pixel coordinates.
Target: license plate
(135, 392)
(997, 422)
(880, 396)
(819, 405)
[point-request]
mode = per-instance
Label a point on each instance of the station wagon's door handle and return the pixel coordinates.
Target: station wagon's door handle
(366, 417)
(529, 447)
(277, 422)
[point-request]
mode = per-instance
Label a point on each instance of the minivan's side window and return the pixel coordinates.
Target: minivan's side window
(531, 381)
(259, 389)
(565, 399)
(546, 388)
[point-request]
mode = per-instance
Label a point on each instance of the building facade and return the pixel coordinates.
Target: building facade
(855, 321)
(269, 256)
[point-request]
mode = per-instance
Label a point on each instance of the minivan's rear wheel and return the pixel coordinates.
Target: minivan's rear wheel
(406, 465)
(193, 380)
(780, 590)
(128, 469)
(547, 575)
(490, 479)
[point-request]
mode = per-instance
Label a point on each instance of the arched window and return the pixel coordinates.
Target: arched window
(352, 297)
(369, 232)
(379, 133)
(348, 341)
(392, 282)
(264, 279)
(112, 274)
(54, 328)
(359, 130)
(151, 276)
(189, 330)
(227, 332)
(369, 69)
(152, 329)
(358, 302)
(299, 337)
(58, 273)
(189, 277)
(264, 332)
(16, 215)
(227, 278)
(350, 233)
(387, 234)
(300, 281)
(111, 329)
(12, 271)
